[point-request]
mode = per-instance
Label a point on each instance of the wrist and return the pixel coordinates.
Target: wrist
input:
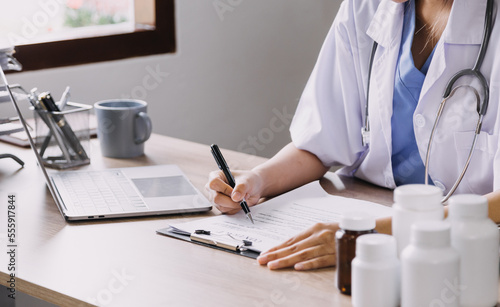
(262, 181)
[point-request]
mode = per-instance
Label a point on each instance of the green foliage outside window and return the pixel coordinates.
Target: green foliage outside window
(83, 17)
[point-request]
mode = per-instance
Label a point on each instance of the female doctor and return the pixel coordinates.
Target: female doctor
(420, 46)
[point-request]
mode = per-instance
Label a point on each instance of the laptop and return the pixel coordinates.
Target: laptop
(121, 192)
(125, 192)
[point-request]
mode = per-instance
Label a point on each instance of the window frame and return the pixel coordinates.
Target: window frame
(141, 42)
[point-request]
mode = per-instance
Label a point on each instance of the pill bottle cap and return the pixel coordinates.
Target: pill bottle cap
(468, 206)
(376, 247)
(357, 221)
(430, 233)
(418, 197)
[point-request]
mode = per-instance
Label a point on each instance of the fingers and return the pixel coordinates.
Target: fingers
(220, 192)
(312, 249)
(316, 263)
(240, 192)
(308, 259)
(305, 259)
(288, 246)
(219, 185)
(224, 203)
(324, 239)
(248, 187)
(300, 237)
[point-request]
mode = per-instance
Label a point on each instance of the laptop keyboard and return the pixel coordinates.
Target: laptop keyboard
(101, 192)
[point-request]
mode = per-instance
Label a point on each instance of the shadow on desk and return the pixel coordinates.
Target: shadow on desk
(351, 187)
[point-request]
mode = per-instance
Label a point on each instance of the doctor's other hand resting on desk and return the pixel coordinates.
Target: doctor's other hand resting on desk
(371, 105)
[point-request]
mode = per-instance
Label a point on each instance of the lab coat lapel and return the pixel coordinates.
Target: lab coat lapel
(435, 71)
(385, 29)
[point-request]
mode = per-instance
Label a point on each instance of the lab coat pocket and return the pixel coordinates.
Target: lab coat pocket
(479, 176)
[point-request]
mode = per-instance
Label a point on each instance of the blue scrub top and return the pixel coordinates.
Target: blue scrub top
(407, 165)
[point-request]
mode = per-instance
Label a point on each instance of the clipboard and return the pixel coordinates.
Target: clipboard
(216, 241)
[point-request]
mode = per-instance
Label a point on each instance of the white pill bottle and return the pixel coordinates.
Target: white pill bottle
(430, 267)
(376, 272)
(412, 203)
(476, 238)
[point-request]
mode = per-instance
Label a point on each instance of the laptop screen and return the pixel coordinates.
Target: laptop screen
(6, 91)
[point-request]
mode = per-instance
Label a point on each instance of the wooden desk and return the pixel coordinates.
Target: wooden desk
(125, 263)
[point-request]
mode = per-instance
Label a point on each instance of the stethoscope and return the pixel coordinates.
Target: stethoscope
(448, 93)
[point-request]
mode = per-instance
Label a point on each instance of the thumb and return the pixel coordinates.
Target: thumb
(239, 192)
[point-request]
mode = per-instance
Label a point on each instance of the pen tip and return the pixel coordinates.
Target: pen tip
(250, 217)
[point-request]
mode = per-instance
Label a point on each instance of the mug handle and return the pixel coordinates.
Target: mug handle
(149, 127)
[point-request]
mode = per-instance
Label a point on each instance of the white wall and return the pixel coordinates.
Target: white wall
(232, 74)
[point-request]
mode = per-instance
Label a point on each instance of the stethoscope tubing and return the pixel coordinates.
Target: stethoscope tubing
(484, 84)
(473, 146)
(448, 92)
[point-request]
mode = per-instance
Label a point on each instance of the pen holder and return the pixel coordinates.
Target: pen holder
(63, 138)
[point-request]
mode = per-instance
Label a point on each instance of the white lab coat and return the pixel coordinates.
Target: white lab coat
(330, 114)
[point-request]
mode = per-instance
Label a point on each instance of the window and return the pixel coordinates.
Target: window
(56, 33)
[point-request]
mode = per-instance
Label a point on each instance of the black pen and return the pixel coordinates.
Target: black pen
(221, 162)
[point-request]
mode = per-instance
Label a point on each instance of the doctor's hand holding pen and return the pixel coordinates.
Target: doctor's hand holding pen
(290, 168)
(227, 199)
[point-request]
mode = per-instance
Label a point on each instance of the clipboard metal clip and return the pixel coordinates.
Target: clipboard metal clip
(221, 240)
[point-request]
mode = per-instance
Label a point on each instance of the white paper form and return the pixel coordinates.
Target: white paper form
(282, 217)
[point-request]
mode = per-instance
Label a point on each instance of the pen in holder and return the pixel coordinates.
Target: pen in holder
(62, 137)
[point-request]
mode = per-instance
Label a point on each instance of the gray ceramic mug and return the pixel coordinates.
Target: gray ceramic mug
(122, 127)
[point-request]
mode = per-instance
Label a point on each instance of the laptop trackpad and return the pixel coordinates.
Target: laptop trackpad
(163, 186)
(171, 193)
